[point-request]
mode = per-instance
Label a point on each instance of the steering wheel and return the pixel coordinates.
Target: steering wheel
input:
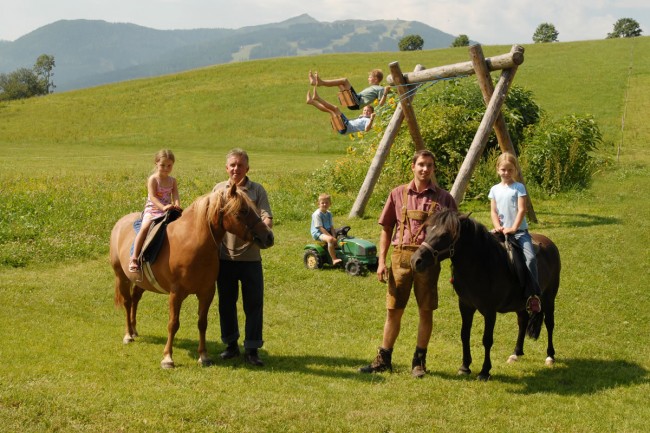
(342, 232)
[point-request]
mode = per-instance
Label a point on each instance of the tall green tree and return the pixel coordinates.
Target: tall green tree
(461, 41)
(411, 43)
(545, 32)
(43, 69)
(625, 28)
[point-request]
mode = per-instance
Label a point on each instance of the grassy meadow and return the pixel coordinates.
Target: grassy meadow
(74, 162)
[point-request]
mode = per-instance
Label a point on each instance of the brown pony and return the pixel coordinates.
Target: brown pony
(188, 262)
(483, 281)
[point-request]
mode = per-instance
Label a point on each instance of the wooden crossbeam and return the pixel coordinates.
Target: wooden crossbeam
(505, 61)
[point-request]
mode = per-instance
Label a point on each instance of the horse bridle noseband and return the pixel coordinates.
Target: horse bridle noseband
(451, 249)
(249, 228)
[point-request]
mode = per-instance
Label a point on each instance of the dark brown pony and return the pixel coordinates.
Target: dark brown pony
(483, 281)
(188, 262)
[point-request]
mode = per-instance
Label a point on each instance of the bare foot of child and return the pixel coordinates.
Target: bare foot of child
(313, 80)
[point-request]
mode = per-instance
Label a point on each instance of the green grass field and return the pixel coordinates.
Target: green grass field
(74, 162)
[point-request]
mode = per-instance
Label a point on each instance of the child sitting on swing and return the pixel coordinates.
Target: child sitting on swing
(341, 123)
(347, 94)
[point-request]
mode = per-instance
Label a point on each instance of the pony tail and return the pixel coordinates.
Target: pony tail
(535, 325)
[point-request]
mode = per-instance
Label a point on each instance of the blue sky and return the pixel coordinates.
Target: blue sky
(486, 21)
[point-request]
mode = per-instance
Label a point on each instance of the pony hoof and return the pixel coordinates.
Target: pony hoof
(464, 371)
(512, 359)
(207, 362)
(549, 362)
(167, 364)
(483, 377)
(128, 339)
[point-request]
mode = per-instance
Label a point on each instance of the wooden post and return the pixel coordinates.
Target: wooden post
(482, 134)
(487, 88)
(405, 103)
(359, 206)
(505, 61)
(500, 128)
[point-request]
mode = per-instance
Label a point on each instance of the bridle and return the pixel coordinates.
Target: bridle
(451, 249)
(249, 228)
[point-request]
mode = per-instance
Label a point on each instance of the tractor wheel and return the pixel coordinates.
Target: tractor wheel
(312, 260)
(353, 267)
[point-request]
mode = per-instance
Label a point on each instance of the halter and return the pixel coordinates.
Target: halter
(235, 252)
(249, 228)
(451, 249)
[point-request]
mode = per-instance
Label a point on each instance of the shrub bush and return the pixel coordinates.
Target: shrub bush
(558, 155)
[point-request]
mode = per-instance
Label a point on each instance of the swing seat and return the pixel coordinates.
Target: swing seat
(348, 99)
(338, 125)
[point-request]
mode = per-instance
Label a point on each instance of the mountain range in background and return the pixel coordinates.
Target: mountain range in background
(89, 53)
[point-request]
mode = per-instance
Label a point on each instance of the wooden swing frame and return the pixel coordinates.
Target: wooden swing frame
(492, 119)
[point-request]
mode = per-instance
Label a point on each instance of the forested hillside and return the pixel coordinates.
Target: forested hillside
(90, 53)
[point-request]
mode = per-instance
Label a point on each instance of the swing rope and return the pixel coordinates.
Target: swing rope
(422, 86)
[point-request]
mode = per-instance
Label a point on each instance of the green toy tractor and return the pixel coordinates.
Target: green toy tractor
(357, 255)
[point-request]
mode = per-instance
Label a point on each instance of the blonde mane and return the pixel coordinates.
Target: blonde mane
(209, 206)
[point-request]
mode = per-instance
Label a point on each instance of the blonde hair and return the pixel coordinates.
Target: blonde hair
(325, 196)
(164, 153)
(509, 158)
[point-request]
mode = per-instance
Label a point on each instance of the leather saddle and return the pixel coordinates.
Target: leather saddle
(156, 235)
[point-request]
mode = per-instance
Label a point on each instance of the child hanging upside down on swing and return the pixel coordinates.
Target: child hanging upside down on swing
(341, 123)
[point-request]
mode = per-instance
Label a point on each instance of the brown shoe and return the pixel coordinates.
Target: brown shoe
(419, 363)
(381, 363)
(419, 371)
(251, 357)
